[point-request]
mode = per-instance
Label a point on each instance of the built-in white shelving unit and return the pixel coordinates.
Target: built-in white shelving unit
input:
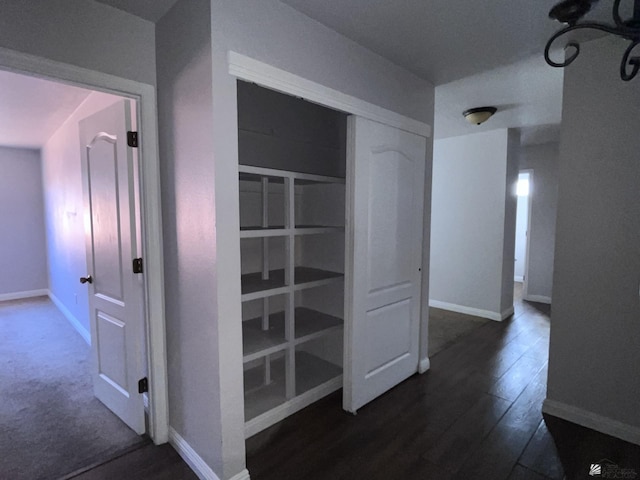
(292, 247)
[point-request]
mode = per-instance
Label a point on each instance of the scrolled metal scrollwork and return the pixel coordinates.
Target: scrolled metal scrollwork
(628, 60)
(628, 29)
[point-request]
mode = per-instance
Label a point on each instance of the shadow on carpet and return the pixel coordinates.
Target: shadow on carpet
(446, 327)
(50, 422)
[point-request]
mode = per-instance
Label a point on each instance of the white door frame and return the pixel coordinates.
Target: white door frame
(151, 217)
(525, 282)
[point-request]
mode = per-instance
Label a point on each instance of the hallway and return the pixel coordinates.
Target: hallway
(475, 415)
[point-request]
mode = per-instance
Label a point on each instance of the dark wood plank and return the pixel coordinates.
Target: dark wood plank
(541, 455)
(521, 473)
(497, 455)
(467, 433)
(516, 379)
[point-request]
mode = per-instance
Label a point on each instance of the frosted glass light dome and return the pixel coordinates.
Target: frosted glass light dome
(479, 115)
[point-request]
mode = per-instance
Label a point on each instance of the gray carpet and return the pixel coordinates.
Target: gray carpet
(50, 422)
(446, 327)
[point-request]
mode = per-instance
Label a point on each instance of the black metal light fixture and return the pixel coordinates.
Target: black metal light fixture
(571, 12)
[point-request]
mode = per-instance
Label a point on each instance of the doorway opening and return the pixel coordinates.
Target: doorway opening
(523, 222)
(47, 340)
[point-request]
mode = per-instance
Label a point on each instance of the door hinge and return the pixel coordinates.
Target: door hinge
(143, 385)
(132, 139)
(137, 265)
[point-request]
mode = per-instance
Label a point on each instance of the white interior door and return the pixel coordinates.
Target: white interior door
(115, 294)
(385, 186)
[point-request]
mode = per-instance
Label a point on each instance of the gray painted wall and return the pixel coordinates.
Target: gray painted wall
(595, 324)
(275, 33)
(469, 250)
(23, 258)
(543, 160)
(82, 33)
(509, 229)
(64, 207)
(187, 176)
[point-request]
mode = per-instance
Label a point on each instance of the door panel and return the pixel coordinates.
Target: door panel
(384, 243)
(112, 350)
(102, 160)
(115, 295)
(390, 221)
(384, 342)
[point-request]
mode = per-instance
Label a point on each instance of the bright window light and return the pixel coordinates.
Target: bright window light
(523, 187)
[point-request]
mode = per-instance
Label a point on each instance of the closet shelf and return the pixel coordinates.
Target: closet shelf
(263, 232)
(280, 231)
(311, 373)
(251, 177)
(253, 286)
(258, 343)
(255, 174)
(316, 229)
(308, 324)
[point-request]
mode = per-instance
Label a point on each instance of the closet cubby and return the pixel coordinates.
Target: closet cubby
(263, 265)
(264, 385)
(319, 206)
(261, 205)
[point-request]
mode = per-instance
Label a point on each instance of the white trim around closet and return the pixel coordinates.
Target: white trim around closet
(252, 70)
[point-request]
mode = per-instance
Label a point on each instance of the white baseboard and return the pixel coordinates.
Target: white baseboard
(26, 294)
(507, 313)
(243, 475)
(195, 461)
(592, 420)
(476, 312)
(538, 298)
(424, 365)
(518, 278)
(189, 455)
(75, 323)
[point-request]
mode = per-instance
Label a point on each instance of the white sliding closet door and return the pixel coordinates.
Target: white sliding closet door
(385, 185)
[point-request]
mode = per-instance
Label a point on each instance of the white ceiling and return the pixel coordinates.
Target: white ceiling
(151, 10)
(527, 93)
(476, 52)
(440, 40)
(32, 109)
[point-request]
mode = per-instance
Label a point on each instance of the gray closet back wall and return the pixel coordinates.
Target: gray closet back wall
(288, 133)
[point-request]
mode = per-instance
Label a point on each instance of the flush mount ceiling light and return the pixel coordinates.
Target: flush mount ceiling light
(570, 12)
(479, 115)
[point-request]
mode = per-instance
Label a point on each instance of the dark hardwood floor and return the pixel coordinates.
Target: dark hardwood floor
(475, 415)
